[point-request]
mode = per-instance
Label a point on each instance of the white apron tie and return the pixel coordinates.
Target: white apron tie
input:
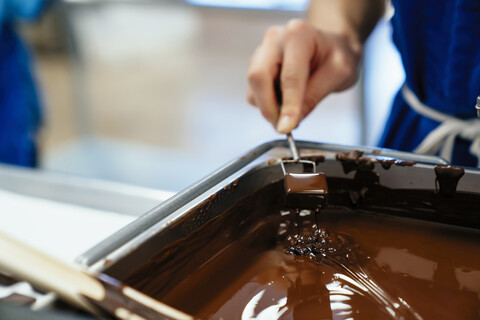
(443, 137)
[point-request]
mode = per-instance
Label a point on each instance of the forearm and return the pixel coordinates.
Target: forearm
(354, 19)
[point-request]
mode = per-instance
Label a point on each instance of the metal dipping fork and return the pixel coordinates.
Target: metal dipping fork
(305, 190)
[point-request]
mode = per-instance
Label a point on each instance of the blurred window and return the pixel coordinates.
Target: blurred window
(291, 5)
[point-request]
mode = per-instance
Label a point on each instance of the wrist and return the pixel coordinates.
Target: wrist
(345, 33)
(353, 42)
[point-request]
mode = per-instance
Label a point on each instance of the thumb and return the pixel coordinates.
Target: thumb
(295, 70)
(289, 118)
(287, 114)
(293, 83)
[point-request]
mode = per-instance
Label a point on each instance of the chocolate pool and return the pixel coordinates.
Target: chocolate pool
(400, 239)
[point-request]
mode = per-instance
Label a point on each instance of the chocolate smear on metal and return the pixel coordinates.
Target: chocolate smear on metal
(349, 160)
(365, 176)
(387, 163)
(354, 160)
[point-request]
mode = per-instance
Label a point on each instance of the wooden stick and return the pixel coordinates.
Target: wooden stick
(96, 295)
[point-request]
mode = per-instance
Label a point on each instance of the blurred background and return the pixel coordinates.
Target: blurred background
(152, 93)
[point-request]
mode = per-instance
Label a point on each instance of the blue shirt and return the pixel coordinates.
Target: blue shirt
(19, 103)
(439, 42)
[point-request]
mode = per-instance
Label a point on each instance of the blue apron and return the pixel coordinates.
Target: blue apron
(19, 103)
(439, 42)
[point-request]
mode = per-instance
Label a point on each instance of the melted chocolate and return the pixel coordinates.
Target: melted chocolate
(447, 179)
(7, 284)
(6, 280)
(19, 299)
(117, 302)
(257, 261)
(306, 190)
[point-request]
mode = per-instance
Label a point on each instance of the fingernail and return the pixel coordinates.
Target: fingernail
(285, 124)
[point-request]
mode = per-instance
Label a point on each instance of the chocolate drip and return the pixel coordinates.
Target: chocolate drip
(386, 163)
(447, 179)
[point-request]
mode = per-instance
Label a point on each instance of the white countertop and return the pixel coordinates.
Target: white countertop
(59, 229)
(64, 215)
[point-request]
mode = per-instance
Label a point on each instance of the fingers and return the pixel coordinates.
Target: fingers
(319, 86)
(299, 48)
(264, 68)
(250, 97)
(311, 64)
(338, 72)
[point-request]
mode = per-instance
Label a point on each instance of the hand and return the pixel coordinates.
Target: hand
(310, 63)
